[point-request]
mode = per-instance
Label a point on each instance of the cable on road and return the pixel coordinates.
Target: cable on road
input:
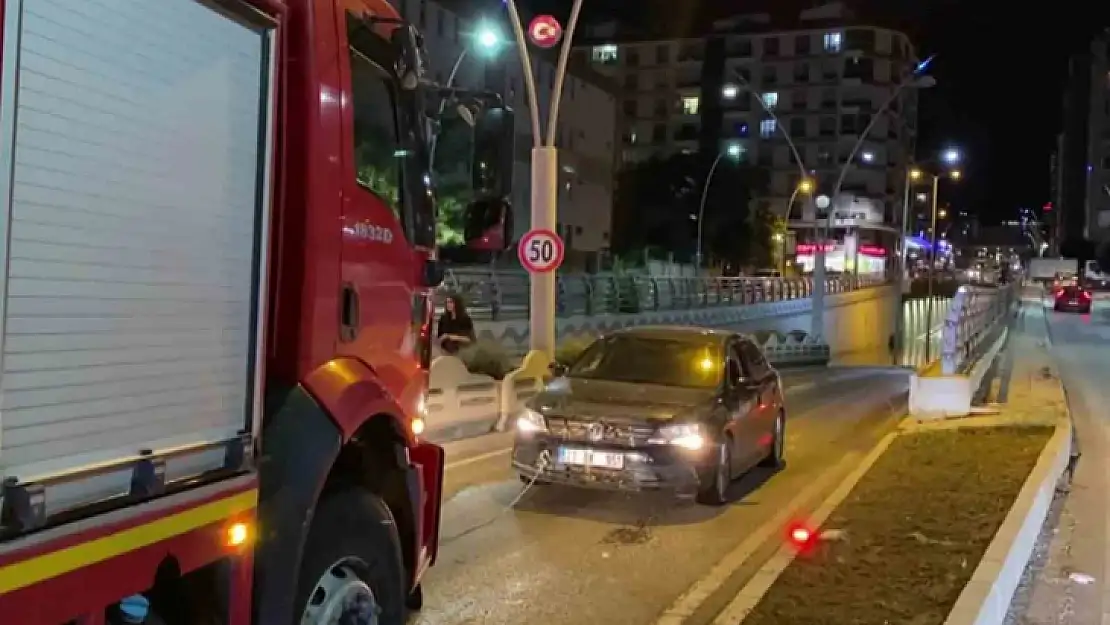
(542, 461)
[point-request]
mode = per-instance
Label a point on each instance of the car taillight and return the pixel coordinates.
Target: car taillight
(1086, 295)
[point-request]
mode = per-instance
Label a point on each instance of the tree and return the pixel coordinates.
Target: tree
(658, 204)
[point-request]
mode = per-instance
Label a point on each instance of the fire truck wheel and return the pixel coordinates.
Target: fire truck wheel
(352, 571)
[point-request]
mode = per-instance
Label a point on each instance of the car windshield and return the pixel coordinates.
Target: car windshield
(1072, 291)
(644, 360)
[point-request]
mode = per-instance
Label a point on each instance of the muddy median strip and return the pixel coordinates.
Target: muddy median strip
(905, 542)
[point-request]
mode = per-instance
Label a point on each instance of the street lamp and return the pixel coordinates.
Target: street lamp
(731, 91)
(915, 80)
(733, 151)
(931, 276)
(545, 174)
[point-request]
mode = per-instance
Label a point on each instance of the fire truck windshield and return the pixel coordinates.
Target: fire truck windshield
(391, 155)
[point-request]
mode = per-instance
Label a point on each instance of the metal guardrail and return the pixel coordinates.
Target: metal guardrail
(976, 315)
(499, 295)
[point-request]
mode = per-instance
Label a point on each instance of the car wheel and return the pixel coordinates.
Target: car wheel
(715, 493)
(776, 457)
(352, 570)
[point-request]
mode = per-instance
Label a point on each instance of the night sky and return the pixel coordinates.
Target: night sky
(999, 74)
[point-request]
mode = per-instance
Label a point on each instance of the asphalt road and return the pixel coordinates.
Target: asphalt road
(565, 556)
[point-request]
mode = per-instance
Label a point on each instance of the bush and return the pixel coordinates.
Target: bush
(486, 358)
(569, 350)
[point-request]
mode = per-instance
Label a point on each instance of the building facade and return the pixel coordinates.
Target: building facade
(586, 132)
(1082, 179)
(822, 79)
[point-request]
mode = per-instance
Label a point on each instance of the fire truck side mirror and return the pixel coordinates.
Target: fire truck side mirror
(488, 224)
(494, 135)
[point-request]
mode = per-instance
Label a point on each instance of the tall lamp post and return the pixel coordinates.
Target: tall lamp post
(701, 205)
(916, 80)
(545, 175)
(804, 178)
(805, 186)
(930, 280)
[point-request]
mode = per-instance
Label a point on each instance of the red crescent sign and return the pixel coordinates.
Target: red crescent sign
(545, 31)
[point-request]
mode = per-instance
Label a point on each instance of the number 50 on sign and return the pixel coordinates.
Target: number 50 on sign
(540, 251)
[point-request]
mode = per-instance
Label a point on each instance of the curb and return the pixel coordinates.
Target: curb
(985, 599)
(761, 582)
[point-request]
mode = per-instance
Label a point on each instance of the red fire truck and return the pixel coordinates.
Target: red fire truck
(217, 232)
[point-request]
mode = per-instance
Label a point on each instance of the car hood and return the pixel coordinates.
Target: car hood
(603, 398)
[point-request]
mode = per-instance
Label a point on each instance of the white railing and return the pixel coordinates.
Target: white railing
(976, 315)
(462, 404)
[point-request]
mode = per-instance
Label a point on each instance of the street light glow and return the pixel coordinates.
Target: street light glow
(729, 92)
(805, 186)
(868, 157)
(951, 156)
(734, 150)
(488, 37)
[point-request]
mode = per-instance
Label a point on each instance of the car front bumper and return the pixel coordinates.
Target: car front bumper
(647, 468)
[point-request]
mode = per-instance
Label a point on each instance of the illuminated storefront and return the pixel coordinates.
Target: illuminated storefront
(871, 259)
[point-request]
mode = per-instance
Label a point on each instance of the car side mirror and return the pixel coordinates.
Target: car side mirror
(558, 369)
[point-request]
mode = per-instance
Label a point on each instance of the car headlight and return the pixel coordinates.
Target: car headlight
(530, 421)
(686, 435)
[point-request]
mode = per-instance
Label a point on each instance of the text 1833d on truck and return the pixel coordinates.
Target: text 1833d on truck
(218, 243)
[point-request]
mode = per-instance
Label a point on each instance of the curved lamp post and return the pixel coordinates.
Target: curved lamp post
(915, 80)
(545, 174)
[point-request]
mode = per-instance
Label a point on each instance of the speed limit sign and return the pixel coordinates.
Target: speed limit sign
(540, 251)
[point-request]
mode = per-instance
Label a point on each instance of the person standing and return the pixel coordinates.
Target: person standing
(455, 329)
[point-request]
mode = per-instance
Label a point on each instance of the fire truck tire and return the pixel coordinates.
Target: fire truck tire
(352, 567)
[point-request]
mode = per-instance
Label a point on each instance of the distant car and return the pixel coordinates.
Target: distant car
(656, 408)
(1072, 299)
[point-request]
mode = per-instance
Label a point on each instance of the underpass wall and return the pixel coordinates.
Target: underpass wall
(854, 321)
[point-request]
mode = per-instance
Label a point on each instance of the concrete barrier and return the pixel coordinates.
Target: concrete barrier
(974, 334)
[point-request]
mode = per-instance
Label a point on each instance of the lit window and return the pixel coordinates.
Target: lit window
(729, 92)
(770, 99)
(606, 54)
(767, 128)
(868, 157)
(833, 42)
(690, 105)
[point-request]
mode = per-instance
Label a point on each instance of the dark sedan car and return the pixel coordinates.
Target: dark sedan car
(682, 409)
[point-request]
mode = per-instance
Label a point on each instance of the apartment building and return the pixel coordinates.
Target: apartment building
(586, 132)
(821, 79)
(1083, 166)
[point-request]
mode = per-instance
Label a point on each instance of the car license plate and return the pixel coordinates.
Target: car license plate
(1073, 302)
(590, 458)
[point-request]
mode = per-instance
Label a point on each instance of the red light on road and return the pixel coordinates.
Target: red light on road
(800, 536)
